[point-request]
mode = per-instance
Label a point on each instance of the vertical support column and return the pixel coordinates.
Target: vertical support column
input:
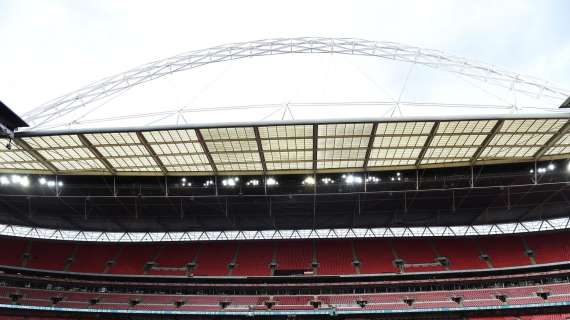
(472, 177)
(417, 179)
(166, 186)
(535, 172)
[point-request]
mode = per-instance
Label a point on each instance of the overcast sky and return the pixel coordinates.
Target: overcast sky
(49, 48)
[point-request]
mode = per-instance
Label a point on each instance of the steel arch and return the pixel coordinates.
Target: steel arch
(118, 83)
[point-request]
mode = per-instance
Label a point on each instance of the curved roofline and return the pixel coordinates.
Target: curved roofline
(34, 133)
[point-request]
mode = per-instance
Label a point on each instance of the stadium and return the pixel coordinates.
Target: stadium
(444, 215)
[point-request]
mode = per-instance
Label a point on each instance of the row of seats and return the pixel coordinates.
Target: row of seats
(539, 294)
(263, 258)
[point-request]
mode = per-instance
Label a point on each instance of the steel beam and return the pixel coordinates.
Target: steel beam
(260, 149)
(486, 142)
(152, 153)
(552, 141)
(427, 144)
(206, 151)
(41, 159)
(315, 145)
(87, 144)
(370, 145)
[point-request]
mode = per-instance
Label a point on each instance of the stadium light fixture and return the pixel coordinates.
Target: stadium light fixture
(309, 181)
(230, 182)
(252, 183)
(4, 180)
(42, 181)
(271, 182)
(185, 183)
(551, 167)
(373, 179)
(327, 180)
(351, 179)
(568, 166)
(208, 183)
(23, 181)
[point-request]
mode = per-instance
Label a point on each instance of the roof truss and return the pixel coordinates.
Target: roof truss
(345, 233)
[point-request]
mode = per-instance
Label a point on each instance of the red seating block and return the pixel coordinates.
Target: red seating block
(254, 259)
(213, 258)
(294, 255)
(92, 257)
(375, 256)
(504, 251)
(50, 255)
(335, 257)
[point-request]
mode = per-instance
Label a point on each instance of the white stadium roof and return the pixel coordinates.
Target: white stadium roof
(292, 147)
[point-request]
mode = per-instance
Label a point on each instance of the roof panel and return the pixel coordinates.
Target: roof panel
(124, 151)
(342, 164)
(238, 157)
(288, 156)
(396, 153)
(189, 168)
(65, 152)
(289, 165)
(114, 138)
(457, 140)
(343, 143)
(399, 141)
(390, 163)
(558, 150)
(231, 145)
(228, 133)
(17, 158)
(338, 154)
(516, 139)
(178, 148)
(466, 127)
(133, 164)
(286, 144)
(286, 131)
(561, 147)
(249, 166)
(177, 160)
(169, 136)
(532, 125)
(508, 152)
(404, 128)
(452, 154)
(345, 129)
